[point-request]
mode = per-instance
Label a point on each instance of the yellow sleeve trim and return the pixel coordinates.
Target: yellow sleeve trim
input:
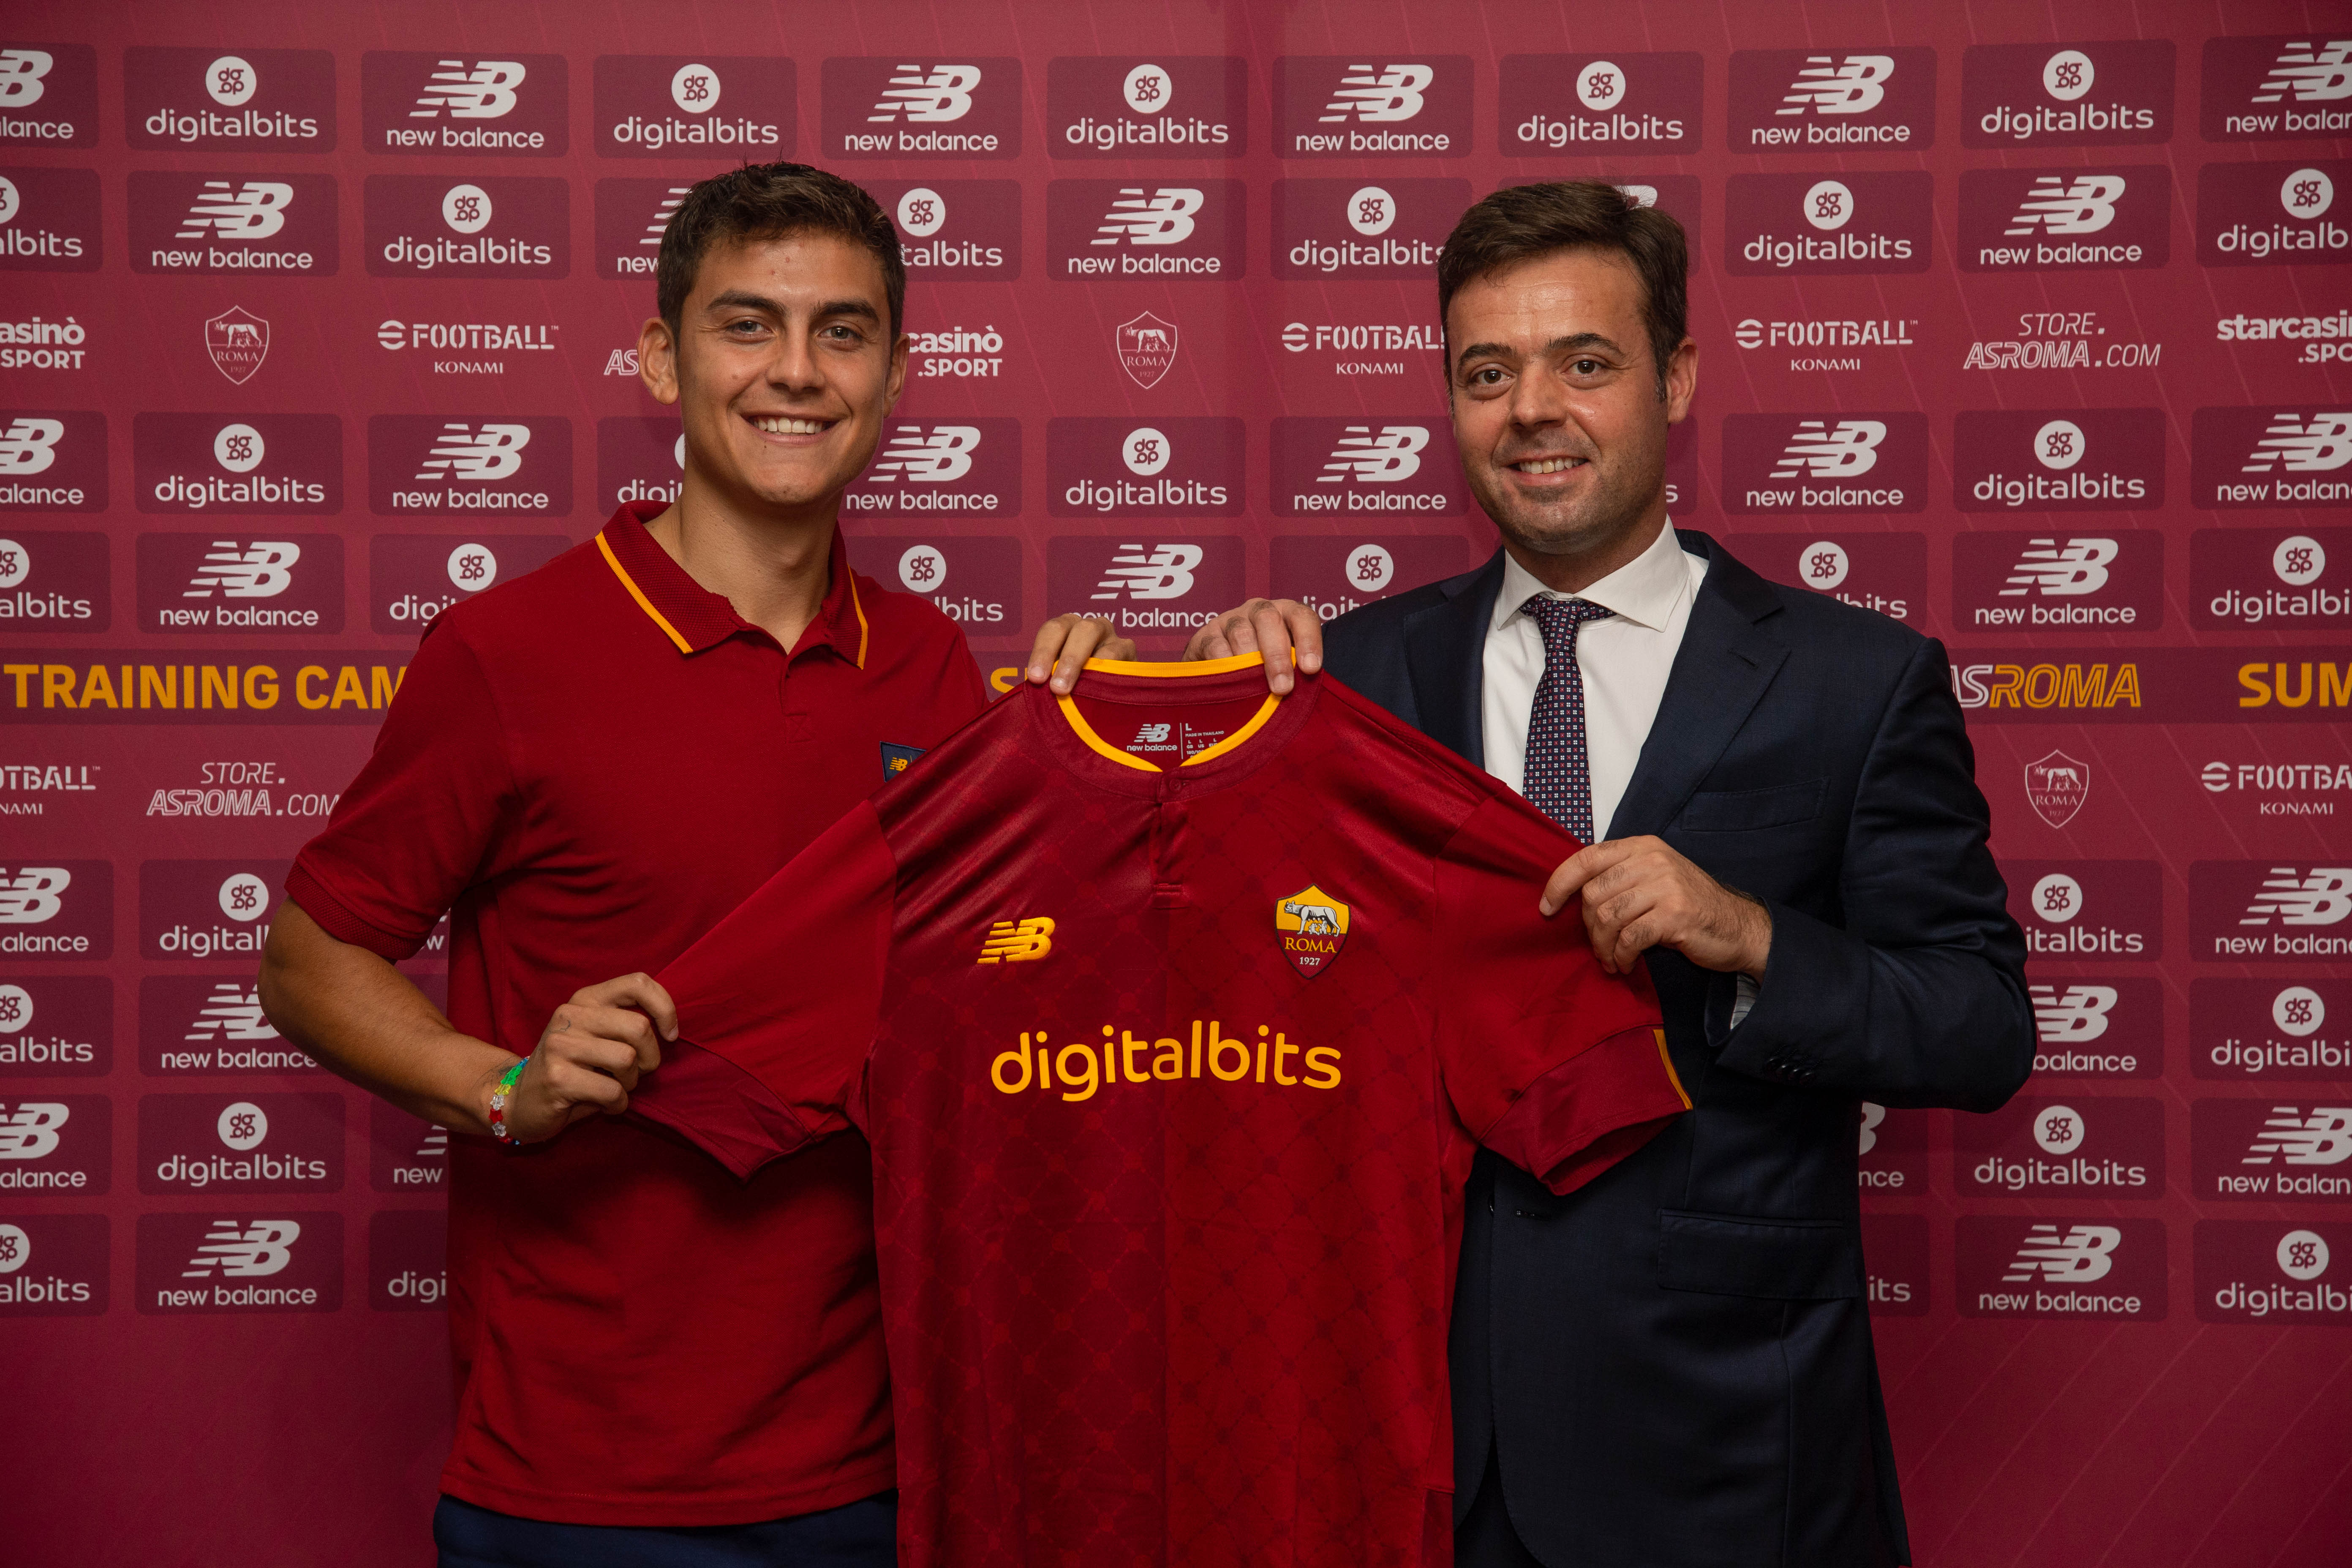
(1668, 1062)
(647, 605)
(1257, 722)
(1085, 732)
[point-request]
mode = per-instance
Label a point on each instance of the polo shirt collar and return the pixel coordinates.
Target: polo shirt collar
(694, 618)
(1643, 591)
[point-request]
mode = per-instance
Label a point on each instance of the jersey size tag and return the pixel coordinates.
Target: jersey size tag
(898, 759)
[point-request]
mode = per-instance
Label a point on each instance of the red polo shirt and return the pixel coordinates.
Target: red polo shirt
(587, 768)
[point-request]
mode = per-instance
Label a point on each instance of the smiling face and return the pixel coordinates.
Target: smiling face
(783, 369)
(1555, 396)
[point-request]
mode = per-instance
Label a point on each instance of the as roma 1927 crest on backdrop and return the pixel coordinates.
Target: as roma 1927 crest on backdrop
(1313, 926)
(2056, 785)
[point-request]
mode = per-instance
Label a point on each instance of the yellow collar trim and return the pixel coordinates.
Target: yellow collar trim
(646, 604)
(1178, 669)
(863, 630)
(1086, 731)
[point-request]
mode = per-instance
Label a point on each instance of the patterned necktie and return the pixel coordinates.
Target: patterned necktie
(1558, 772)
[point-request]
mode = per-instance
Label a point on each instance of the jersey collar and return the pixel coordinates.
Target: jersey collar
(1204, 680)
(694, 618)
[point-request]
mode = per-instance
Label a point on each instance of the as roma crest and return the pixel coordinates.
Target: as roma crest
(1313, 928)
(2056, 786)
(237, 341)
(1147, 347)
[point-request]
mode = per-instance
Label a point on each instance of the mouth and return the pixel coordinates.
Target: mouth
(1540, 466)
(788, 425)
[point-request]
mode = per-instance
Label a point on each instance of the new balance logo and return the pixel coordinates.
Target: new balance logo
(2086, 1252)
(253, 210)
(1849, 451)
(34, 895)
(2322, 898)
(2324, 444)
(1163, 572)
(942, 455)
(662, 213)
(1162, 217)
(484, 90)
(2062, 571)
(1149, 734)
(1378, 97)
(2322, 1138)
(2076, 1019)
(1384, 458)
(1018, 941)
(493, 452)
(1828, 85)
(262, 569)
(2054, 206)
(21, 72)
(230, 1013)
(30, 446)
(239, 1250)
(2313, 75)
(30, 1132)
(436, 1145)
(927, 97)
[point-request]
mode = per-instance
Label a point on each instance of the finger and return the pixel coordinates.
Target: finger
(642, 992)
(581, 1082)
(1120, 650)
(1305, 634)
(1570, 875)
(1241, 629)
(1634, 938)
(1045, 647)
(600, 1053)
(1211, 641)
(1085, 636)
(1271, 631)
(625, 1027)
(1602, 937)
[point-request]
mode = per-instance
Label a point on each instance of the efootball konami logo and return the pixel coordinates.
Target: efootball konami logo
(2322, 898)
(927, 97)
(254, 209)
(487, 89)
(926, 457)
(1818, 451)
(1827, 85)
(1378, 96)
(2315, 75)
(1383, 457)
(475, 456)
(2055, 206)
(2322, 444)
(2084, 1253)
(242, 1249)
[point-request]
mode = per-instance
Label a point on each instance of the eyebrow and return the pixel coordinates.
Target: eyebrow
(1558, 346)
(739, 300)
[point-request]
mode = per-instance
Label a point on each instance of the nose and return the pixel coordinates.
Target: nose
(794, 366)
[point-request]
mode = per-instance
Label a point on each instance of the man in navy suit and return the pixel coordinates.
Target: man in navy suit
(1673, 1365)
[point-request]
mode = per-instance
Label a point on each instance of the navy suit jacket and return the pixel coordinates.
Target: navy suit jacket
(1673, 1365)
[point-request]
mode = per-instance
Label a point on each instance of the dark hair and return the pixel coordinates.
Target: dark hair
(768, 201)
(1523, 222)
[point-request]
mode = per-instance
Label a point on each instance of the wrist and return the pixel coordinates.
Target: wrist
(1757, 948)
(486, 1087)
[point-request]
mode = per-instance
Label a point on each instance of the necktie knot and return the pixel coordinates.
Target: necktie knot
(1561, 617)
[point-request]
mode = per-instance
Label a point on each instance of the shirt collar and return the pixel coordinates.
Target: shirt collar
(1643, 591)
(694, 618)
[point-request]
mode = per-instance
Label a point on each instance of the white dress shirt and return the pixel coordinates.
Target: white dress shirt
(1624, 660)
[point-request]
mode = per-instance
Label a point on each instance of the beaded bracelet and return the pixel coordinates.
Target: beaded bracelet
(498, 1102)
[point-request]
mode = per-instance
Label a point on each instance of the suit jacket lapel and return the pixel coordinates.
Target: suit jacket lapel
(1729, 657)
(1445, 652)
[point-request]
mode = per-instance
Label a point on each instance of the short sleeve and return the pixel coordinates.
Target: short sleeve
(1551, 1061)
(416, 828)
(779, 1002)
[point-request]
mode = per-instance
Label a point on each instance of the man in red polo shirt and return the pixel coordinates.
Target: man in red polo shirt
(587, 769)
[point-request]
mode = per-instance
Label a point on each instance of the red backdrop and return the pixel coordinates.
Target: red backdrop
(2026, 324)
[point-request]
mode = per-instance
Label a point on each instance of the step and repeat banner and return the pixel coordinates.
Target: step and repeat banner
(2026, 326)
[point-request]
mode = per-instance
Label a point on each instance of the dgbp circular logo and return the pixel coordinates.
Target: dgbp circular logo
(243, 1125)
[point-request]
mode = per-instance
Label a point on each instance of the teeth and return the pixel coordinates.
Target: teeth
(791, 427)
(1549, 465)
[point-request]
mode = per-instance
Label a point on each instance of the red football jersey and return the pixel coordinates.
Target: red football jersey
(1174, 1013)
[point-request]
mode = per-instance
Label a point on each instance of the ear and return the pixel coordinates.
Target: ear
(897, 382)
(657, 360)
(1681, 380)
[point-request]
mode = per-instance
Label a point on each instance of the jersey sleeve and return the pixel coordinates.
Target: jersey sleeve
(424, 816)
(1551, 1061)
(779, 1002)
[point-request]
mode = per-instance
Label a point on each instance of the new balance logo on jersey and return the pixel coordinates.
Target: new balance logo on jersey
(2076, 1019)
(1827, 85)
(1385, 457)
(2055, 206)
(1018, 941)
(1378, 96)
(253, 210)
(2315, 75)
(931, 97)
(934, 457)
(1818, 451)
(2062, 571)
(1163, 572)
(231, 1013)
(1164, 216)
(29, 446)
(483, 91)
(30, 1132)
(2085, 1253)
(2322, 898)
(475, 456)
(2288, 1136)
(239, 1250)
(34, 895)
(2322, 444)
(262, 569)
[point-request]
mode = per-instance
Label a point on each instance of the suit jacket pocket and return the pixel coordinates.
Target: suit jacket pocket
(1778, 1259)
(1744, 810)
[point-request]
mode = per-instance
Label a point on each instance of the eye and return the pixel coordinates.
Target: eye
(1586, 367)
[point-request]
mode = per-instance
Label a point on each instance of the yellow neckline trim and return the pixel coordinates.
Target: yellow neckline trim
(647, 605)
(1086, 731)
(1183, 668)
